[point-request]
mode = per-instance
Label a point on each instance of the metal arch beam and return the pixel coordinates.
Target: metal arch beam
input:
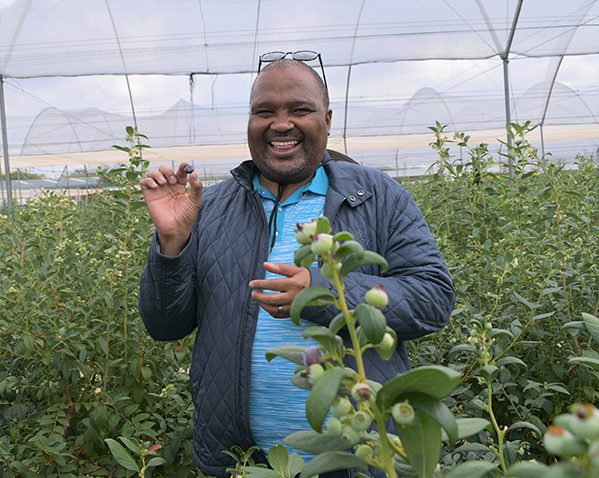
(506, 81)
(5, 146)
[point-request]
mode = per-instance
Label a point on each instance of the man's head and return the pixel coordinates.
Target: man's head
(289, 121)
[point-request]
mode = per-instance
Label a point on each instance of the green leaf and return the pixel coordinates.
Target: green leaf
(308, 297)
(337, 323)
(528, 425)
(489, 372)
(372, 321)
(352, 263)
(156, 461)
(471, 426)
(323, 335)
(433, 380)
(350, 247)
(121, 455)
(313, 442)
(322, 395)
(331, 461)
(133, 445)
(510, 361)
(278, 458)
(594, 363)
(436, 410)
(343, 236)
(527, 469)
(471, 469)
(323, 225)
(422, 442)
(295, 466)
(301, 253)
(592, 325)
(257, 472)
(461, 348)
(293, 353)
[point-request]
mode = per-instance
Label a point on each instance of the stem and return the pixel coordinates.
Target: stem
(350, 322)
(386, 447)
(497, 429)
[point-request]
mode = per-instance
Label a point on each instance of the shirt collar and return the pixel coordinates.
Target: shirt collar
(318, 185)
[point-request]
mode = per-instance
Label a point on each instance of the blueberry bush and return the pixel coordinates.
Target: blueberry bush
(85, 392)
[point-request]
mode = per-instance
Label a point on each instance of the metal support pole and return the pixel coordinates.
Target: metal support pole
(5, 146)
(508, 113)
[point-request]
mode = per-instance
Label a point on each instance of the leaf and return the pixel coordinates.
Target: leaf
(301, 253)
(543, 316)
(295, 466)
(337, 323)
(372, 321)
(307, 297)
(343, 236)
(323, 225)
(350, 247)
(133, 445)
(528, 425)
(422, 442)
(156, 461)
(121, 455)
(313, 442)
(436, 410)
(510, 361)
(331, 461)
(433, 380)
(351, 263)
(257, 472)
(592, 362)
(278, 458)
(322, 395)
(293, 353)
(461, 348)
(470, 426)
(592, 325)
(489, 372)
(471, 469)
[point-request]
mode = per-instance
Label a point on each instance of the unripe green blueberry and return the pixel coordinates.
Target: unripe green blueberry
(559, 441)
(323, 243)
(309, 228)
(377, 297)
(349, 436)
(342, 407)
(585, 422)
(364, 452)
(361, 392)
(361, 421)
(334, 426)
(403, 413)
(387, 343)
(314, 373)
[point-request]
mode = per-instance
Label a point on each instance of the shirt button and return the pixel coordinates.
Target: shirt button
(352, 198)
(360, 192)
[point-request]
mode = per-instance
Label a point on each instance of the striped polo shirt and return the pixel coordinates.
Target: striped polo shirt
(277, 407)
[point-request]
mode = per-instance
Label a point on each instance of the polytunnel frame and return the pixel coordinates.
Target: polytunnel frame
(504, 56)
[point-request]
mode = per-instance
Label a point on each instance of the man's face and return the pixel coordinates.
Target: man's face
(288, 124)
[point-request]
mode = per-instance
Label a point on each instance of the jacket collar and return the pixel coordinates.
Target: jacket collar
(344, 183)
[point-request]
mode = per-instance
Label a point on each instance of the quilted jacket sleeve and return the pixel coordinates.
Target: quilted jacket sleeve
(166, 293)
(420, 290)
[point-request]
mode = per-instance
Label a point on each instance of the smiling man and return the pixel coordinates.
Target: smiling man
(221, 263)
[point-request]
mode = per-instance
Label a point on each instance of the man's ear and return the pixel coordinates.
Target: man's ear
(329, 119)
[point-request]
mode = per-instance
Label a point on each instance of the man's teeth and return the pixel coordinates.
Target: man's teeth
(283, 143)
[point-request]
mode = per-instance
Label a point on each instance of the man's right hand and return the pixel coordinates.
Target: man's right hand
(172, 209)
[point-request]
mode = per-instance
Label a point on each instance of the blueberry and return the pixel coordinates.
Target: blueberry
(188, 169)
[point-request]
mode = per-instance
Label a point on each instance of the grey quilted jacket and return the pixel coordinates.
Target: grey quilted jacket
(206, 288)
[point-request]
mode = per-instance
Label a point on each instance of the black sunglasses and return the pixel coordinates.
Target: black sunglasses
(301, 55)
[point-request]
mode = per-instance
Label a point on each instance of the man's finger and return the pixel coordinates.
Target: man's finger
(272, 299)
(270, 284)
(280, 268)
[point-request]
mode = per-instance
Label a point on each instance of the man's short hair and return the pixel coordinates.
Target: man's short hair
(289, 62)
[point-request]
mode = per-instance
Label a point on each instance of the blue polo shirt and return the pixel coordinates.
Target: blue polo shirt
(277, 407)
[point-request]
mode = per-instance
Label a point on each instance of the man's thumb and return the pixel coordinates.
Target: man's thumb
(196, 187)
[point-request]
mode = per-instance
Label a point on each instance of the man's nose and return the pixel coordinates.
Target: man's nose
(281, 122)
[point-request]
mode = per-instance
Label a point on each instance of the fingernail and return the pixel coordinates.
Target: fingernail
(252, 284)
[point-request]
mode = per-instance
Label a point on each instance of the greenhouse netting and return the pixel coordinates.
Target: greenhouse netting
(74, 74)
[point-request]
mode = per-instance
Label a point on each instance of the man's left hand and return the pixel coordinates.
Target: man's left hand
(278, 305)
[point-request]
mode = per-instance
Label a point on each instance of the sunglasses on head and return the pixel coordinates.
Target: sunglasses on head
(301, 55)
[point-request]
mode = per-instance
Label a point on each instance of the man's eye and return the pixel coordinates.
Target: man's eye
(301, 111)
(263, 113)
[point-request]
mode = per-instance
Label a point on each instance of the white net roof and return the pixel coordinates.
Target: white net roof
(393, 68)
